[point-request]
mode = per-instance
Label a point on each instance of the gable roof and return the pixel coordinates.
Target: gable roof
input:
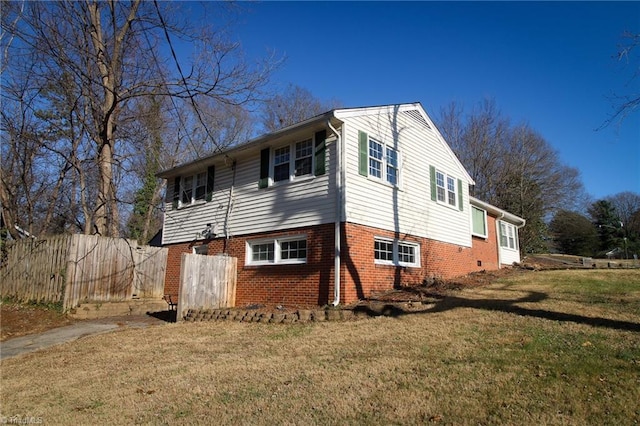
(416, 113)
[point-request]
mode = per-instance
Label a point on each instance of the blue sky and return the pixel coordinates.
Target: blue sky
(548, 64)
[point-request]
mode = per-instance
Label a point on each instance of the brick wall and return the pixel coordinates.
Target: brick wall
(309, 284)
(362, 277)
(312, 283)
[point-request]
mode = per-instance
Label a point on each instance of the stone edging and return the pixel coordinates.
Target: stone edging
(248, 315)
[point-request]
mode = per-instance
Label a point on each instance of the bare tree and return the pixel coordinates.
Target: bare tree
(627, 207)
(111, 54)
(293, 105)
(513, 167)
(479, 142)
(626, 104)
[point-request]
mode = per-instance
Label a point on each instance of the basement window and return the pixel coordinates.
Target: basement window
(396, 252)
(273, 251)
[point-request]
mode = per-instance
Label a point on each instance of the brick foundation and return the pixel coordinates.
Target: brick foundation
(361, 276)
(312, 283)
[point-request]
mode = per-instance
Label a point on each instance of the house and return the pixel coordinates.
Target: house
(332, 209)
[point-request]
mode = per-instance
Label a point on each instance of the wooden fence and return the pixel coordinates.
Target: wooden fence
(206, 282)
(75, 269)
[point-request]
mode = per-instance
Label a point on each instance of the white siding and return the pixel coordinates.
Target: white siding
(310, 201)
(408, 209)
(508, 255)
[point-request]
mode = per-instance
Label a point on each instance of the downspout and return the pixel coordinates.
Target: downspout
(336, 231)
(227, 216)
(498, 238)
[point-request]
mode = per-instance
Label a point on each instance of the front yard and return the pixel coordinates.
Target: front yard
(548, 347)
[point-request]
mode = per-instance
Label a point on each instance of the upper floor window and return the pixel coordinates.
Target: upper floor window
(193, 189)
(277, 250)
(395, 252)
(286, 169)
(445, 189)
(288, 162)
(508, 236)
(378, 160)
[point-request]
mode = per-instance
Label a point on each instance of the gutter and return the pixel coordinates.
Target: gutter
(337, 234)
(234, 150)
(498, 238)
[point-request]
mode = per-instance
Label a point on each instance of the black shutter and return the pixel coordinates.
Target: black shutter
(264, 168)
(210, 180)
(176, 192)
(320, 152)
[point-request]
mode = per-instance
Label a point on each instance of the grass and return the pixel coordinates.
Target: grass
(557, 347)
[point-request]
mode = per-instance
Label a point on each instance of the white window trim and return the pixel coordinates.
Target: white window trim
(277, 242)
(194, 186)
(384, 163)
(486, 225)
(514, 229)
(292, 163)
(446, 190)
(396, 256)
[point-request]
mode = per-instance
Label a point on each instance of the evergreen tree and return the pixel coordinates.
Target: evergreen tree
(608, 225)
(573, 233)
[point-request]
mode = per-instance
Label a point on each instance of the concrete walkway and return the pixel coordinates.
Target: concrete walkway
(25, 344)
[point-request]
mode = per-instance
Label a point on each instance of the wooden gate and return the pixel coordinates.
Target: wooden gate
(206, 282)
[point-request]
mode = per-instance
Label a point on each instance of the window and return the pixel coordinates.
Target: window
(281, 164)
(375, 159)
(383, 250)
(479, 222)
(394, 252)
(378, 160)
(193, 189)
(392, 166)
(201, 249)
(299, 159)
(446, 189)
(383, 162)
(277, 251)
(264, 252)
(508, 236)
(304, 158)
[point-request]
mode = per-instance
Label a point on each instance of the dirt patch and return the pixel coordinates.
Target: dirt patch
(20, 320)
(437, 289)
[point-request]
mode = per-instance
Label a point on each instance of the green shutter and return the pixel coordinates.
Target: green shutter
(432, 176)
(210, 179)
(320, 152)
(460, 197)
(176, 193)
(264, 168)
(363, 151)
